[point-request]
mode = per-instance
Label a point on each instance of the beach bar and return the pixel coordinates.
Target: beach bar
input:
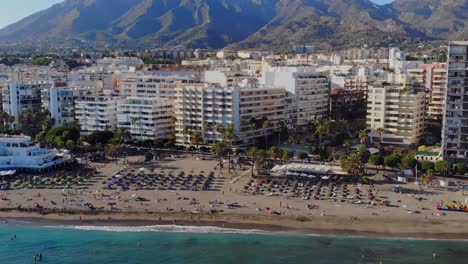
(309, 170)
(18, 153)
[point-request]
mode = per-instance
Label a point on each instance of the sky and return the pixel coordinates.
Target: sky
(14, 10)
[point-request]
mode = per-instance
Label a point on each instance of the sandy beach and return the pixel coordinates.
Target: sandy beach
(411, 214)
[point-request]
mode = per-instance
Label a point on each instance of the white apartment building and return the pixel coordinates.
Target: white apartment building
(91, 77)
(437, 85)
(119, 62)
(228, 78)
(399, 110)
(146, 118)
(20, 96)
(308, 93)
(203, 107)
(156, 85)
(96, 112)
(60, 102)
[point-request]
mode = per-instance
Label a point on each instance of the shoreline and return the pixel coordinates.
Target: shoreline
(319, 226)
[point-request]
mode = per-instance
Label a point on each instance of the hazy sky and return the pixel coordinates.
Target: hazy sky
(14, 10)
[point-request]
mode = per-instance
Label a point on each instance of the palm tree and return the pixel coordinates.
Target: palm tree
(220, 149)
(347, 144)
(320, 130)
(230, 136)
(280, 128)
(265, 125)
(427, 177)
(195, 140)
(380, 131)
(134, 120)
(363, 134)
(353, 165)
(287, 155)
(275, 153)
(185, 132)
(205, 128)
(252, 153)
(219, 128)
(442, 166)
(173, 119)
(262, 160)
(6, 120)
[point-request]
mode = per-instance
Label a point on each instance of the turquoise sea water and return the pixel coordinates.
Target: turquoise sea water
(211, 245)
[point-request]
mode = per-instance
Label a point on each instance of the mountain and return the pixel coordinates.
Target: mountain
(445, 19)
(240, 23)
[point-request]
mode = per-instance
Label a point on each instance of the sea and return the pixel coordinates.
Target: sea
(207, 245)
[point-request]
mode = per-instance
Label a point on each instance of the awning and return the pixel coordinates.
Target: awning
(7, 172)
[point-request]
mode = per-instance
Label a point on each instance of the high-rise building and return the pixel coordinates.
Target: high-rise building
(203, 108)
(455, 125)
(308, 93)
(399, 110)
(21, 96)
(60, 102)
(156, 85)
(96, 112)
(146, 118)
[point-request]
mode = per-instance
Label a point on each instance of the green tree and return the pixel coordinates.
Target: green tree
(101, 137)
(460, 167)
(393, 160)
(62, 135)
(220, 150)
(363, 135)
(353, 165)
(262, 160)
(229, 134)
(301, 155)
(70, 144)
(427, 177)
(112, 150)
(408, 162)
(196, 139)
(442, 166)
(252, 154)
(280, 130)
(363, 154)
(347, 144)
(376, 160)
(34, 121)
(275, 153)
(287, 155)
(427, 165)
(265, 126)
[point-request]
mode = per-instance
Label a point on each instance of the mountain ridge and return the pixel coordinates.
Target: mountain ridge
(240, 23)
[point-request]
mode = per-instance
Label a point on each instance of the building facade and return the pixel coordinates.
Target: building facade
(346, 104)
(455, 124)
(146, 118)
(21, 96)
(150, 85)
(19, 153)
(205, 108)
(96, 112)
(399, 110)
(308, 93)
(60, 102)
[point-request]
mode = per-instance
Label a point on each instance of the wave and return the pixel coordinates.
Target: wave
(166, 228)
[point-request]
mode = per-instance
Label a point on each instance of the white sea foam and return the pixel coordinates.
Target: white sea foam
(166, 228)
